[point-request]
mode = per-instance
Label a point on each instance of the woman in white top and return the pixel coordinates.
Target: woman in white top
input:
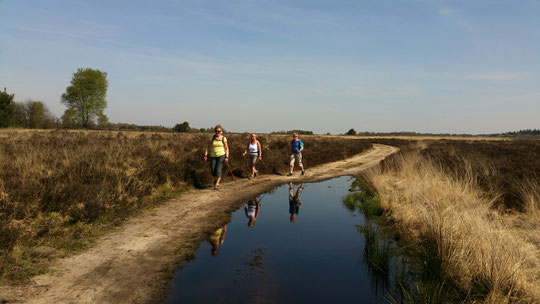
(255, 153)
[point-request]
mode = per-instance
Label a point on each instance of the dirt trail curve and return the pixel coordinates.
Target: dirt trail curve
(130, 265)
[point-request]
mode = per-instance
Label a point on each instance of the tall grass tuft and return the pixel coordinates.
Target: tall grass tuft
(488, 254)
(377, 251)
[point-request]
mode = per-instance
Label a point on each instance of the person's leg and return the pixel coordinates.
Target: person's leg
(252, 165)
(255, 161)
(300, 163)
(291, 164)
(291, 193)
(213, 167)
(219, 168)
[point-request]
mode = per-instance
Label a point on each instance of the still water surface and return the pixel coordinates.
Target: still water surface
(298, 245)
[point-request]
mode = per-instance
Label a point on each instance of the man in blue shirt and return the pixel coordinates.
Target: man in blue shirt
(296, 153)
(294, 201)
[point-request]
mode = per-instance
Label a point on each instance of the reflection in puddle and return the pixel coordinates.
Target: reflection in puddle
(294, 201)
(271, 261)
(217, 238)
(252, 208)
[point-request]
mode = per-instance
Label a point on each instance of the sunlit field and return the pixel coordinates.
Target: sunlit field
(60, 188)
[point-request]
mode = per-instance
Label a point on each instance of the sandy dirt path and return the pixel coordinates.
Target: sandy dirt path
(133, 263)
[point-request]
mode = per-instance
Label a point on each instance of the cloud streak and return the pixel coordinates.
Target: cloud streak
(494, 76)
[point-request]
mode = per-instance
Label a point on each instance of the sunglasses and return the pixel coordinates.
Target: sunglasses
(218, 131)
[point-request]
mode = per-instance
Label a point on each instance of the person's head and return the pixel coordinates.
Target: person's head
(293, 217)
(253, 137)
(218, 129)
(295, 136)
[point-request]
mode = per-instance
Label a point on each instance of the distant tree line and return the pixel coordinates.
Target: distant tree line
(301, 132)
(185, 128)
(29, 114)
(521, 133)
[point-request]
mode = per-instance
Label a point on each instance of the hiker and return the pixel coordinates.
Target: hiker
(219, 152)
(252, 211)
(217, 238)
(294, 201)
(255, 154)
(296, 152)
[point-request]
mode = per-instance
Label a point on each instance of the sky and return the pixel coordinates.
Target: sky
(267, 65)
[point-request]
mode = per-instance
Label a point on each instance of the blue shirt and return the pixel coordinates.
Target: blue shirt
(294, 207)
(296, 145)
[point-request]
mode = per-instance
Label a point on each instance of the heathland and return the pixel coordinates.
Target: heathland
(59, 189)
(467, 211)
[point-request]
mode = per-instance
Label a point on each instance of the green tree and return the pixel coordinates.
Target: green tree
(19, 115)
(36, 114)
(85, 97)
(183, 127)
(6, 109)
(32, 114)
(351, 132)
(70, 119)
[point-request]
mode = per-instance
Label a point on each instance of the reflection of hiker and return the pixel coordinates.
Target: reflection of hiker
(217, 238)
(296, 152)
(252, 211)
(294, 201)
(219, 152)
(255, 153)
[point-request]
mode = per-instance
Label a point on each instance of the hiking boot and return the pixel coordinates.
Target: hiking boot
(290, 174)
(255, 174)
(303, 172)
(250, 177)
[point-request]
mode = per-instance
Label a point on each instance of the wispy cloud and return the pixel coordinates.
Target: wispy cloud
(446, 11)
(383, 92)
(494, 76)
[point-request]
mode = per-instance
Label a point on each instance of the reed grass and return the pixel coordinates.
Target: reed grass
(465, 240)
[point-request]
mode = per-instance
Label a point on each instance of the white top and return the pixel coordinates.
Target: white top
(253, 149)
(251, 210)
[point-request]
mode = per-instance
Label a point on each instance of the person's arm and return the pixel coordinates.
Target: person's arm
(245, 209)
(301, 144)
(226, 146)
(260, 149)
(206, 151)
(223, 231)
(257, 210)
(246, 150)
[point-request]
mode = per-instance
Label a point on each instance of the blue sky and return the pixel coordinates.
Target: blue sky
(265, 65)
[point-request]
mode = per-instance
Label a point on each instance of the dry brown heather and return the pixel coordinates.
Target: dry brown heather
(60, 188)
(454, 195)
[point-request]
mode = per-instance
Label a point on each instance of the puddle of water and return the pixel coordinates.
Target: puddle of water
(298, 245)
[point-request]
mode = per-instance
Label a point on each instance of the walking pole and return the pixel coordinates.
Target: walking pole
(264, 164)
(234, 179)
(206, 171)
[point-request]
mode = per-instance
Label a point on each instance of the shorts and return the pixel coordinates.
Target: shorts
(298, 157)
(253, 159)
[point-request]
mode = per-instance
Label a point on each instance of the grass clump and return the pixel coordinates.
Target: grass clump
(378, 253)
(471, 245)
